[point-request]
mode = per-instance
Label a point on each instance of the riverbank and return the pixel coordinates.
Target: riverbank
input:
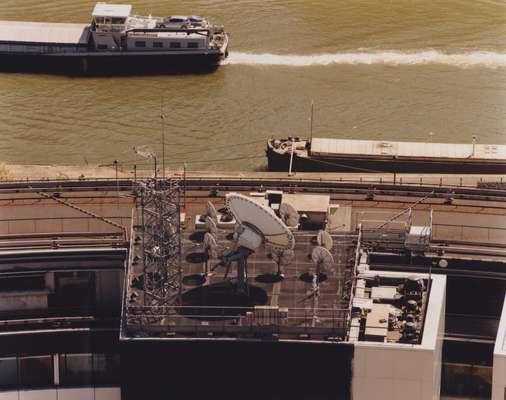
(23, 172)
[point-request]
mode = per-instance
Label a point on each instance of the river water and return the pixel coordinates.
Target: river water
(394, 69)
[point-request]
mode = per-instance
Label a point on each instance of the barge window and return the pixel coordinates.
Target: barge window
(175, 45)
(157, 44)
(8, 373)
(118, 21)
(36, 371)
(140, 44)
(193, 45)
(102, 47)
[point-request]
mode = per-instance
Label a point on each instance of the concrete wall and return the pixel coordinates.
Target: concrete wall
(391, 371)
(499, 366)
(112, 393)
(26, 300)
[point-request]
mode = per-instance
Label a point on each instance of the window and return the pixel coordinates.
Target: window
(22, 283)
(74, 289)
(8, 373)
(193, 45)
(75, 369)
(140, 44)
(157, 44)
(36, 371)
(106, 369)
(175, 45)
(118, 21)
(102, 47)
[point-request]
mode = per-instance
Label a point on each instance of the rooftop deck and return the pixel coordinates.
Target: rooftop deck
(288, 308)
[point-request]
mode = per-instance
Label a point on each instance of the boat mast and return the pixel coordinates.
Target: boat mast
(311, 122)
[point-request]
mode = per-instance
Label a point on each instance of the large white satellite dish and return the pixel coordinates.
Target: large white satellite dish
(255, 224)
(262, 219)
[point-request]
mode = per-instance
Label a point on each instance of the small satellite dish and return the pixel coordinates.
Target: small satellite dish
(211, 227)
(322, 259)
(288, 214)
(211, 211)
(325, 240)
(210, 245)
(282, 257)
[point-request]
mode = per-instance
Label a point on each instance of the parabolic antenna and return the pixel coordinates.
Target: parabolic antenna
(211, 226)
(282, 257)
(211, 211)
(261, 220)
(325, 240)
(288, 214)
(322, 259)
(210, 245)
(255, 224)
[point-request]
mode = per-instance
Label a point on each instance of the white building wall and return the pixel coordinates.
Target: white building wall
(499, 363)
(112, 393)
(391, 371)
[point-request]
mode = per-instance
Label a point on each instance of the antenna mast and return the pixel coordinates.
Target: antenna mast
(162, 118)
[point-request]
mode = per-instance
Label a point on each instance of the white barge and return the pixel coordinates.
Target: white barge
(347, 155)
(115, 42)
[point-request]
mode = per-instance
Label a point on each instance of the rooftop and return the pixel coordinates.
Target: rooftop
(112, 10)
(289, 307)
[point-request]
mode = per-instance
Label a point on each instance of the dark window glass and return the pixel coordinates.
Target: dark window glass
(193, 45)
(74, 290)
(106, 369)
(8, 373)
(75, 369)
(140, 44)
(175, 45)
(157, 44)
(102, 47)
(22, 283)
(36, 371)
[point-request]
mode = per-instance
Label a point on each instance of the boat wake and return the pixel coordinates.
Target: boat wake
(463, 60)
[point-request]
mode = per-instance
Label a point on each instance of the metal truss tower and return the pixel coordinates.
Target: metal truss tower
(161, 243)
